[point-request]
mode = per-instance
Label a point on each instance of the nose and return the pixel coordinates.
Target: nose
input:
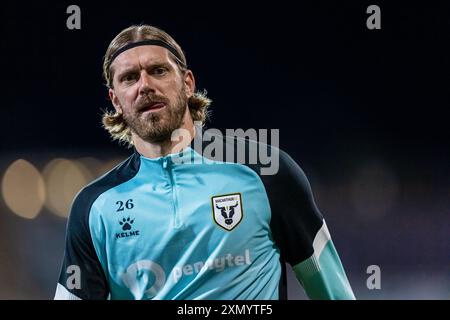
(147, 84)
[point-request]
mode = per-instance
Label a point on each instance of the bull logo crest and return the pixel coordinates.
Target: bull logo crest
(227, 210)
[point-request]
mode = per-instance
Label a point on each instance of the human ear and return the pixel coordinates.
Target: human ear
(115, 101)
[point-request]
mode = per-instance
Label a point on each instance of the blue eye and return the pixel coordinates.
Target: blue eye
(160, 71)
(129, 78)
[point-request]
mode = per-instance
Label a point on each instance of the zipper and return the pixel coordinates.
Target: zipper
(167, 166)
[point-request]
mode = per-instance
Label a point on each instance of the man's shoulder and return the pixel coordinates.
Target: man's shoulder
(256, 152)
(271, 160)
(275, 166)
(121, 173)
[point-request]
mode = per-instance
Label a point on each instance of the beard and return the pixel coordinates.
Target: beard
(157, 126)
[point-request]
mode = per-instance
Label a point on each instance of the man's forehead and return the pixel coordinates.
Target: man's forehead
(143, 54)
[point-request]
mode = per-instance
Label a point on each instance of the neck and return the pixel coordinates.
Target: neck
(163, 148)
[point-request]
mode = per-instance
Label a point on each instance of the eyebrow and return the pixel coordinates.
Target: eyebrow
(126, 71)
(132, 69)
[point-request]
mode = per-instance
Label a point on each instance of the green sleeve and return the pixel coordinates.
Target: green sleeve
(322, 275)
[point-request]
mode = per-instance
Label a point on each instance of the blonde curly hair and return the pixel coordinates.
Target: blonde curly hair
(113, 121)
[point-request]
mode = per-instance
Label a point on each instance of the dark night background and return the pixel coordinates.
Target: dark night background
(364, 113)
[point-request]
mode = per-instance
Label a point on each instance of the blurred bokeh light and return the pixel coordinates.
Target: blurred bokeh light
(23, 189)
(64, 179)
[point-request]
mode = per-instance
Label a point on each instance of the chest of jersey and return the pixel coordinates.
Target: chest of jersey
(173, 226)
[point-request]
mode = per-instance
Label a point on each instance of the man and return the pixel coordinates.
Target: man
(172, 223)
